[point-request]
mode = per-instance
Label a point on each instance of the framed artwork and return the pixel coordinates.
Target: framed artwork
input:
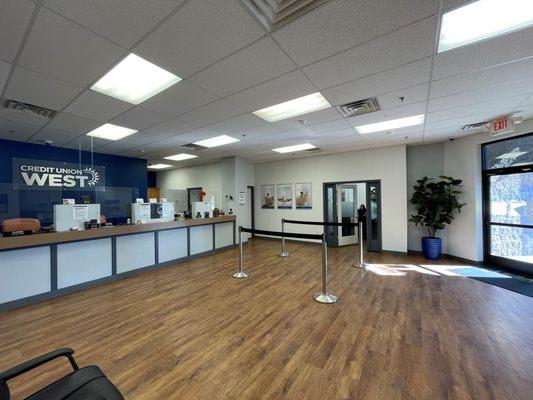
(267, 196)
(284, 195)
(304, 195)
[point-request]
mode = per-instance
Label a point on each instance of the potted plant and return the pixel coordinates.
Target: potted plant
(435, 203)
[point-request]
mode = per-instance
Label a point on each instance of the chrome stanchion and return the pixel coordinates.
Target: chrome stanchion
(283, 252)
(361, 263)
(324, 296)
(240, 273)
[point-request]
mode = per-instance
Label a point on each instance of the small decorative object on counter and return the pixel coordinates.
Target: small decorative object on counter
(198, 214)
(202, 195)
(216, 212)
(230, 212)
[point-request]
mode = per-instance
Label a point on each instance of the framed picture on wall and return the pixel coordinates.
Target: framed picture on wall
(267, 196)
(284, 195)
(303, 195)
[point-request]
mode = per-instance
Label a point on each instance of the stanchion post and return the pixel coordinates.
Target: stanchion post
(361, 263)
(240, 273)
(325, 297)
(283, 252)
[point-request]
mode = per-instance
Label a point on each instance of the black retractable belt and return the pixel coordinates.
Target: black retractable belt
(283, 234)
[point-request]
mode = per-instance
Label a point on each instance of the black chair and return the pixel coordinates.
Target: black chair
(87, 383)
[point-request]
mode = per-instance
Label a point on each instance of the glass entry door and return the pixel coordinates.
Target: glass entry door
(510, 220)
(508, 203)
(347, 213)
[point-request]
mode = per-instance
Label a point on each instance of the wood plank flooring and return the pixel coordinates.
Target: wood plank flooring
(191, 331)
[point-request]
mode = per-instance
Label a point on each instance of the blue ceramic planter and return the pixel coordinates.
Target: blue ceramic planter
(431, 247)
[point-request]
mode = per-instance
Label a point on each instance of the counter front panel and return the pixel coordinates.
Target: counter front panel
(40, 266)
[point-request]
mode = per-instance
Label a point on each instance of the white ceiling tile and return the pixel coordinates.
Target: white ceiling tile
(492, 76)
(211, 113)
(19, 131)
(236, 124)
(394, 79)
(14, 18)
(4, 72)
(492, 109)
(197, 134)
(286, 87)
(85, 143)
(254, 64)
(259, 131)
(481, 95)
(64, 50)
(96, 106)
(123, 21)
(199, 34)
(408, 110)
(410, 95)
(400, 47)
(330, 130)
(499, 50)
(179, 98)
(40, 90)
(310, 119)
(528, 102)
(22, 117)
(65, 127)
(139, 118)
(448, 4)
(342, 24)
(169, 128)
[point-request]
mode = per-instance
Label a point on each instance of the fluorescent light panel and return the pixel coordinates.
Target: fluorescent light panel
(217, 141)
(295, 148)
(180, 157)
(293, 108)
(483, 19)
(135, 80)
(111, 132)
(392, 124)
(160, 166)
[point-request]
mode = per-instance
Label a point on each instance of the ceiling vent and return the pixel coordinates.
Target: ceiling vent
(359, 107)
(28, 109)
(315, 150)
(477, 127)
(192, 146)
(273, 14)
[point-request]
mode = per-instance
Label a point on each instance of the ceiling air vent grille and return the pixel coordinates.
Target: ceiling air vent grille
(315, 150)
(25, 108)
(273, 14)
(359, 107)
(192, 146)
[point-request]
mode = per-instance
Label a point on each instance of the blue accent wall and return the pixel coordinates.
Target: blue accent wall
(121, 172)
(152, 179)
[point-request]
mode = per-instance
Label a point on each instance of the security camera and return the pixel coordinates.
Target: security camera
(48, 142)
(451, 139)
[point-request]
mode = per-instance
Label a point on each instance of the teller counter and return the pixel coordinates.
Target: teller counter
(39, 266)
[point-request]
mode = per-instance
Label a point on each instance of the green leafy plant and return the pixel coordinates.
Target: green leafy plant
(436, 202)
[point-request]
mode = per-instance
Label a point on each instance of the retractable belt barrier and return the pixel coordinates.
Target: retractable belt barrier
(322, 297)
(284, 253)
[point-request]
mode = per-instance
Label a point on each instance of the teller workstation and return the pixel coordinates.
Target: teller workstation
(56, 240)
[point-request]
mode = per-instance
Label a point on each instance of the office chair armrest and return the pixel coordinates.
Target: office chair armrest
(38, 361)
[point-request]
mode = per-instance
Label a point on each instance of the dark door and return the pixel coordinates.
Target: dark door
(251, 205)
(193, 195)
(330, 213)
(373, 215)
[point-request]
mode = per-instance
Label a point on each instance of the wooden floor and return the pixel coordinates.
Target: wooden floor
(191, 331)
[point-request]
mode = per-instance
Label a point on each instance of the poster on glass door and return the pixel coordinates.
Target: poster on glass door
(267, 196)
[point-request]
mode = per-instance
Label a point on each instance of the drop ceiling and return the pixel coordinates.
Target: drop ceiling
(52, 52)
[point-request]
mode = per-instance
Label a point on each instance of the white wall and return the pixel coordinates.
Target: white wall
(207, 176)
(387, 164)
(425, 160)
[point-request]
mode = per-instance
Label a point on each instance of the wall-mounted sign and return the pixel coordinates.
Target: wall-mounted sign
(242, 198)
(31, 174)
(501, 126)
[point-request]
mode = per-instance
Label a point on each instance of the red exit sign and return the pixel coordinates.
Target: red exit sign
(500, 126)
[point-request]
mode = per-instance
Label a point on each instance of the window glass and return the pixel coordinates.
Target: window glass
(508, 153)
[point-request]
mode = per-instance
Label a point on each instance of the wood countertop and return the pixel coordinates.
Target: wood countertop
(43, 239)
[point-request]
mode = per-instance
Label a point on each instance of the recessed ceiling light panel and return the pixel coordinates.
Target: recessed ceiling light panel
(391, 124)
(483, 19)
(160, 166)
(135, 80)
(295, 148)
(293, 108)
(111, 132)
(217, 141)
(180, 157)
